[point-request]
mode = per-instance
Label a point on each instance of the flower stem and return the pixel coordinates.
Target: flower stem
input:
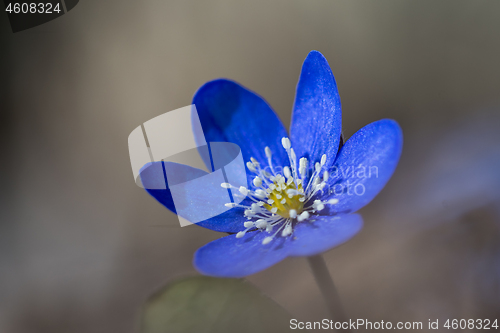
(327, 287)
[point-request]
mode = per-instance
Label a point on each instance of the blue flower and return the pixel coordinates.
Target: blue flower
(303, 186)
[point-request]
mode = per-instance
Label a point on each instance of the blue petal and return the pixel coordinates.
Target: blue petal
(238, 257)
(317, 118)
(153, 179)
(321, 233)
(231, 113)
(364, 165)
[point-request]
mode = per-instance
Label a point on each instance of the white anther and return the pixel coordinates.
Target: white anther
(286, 143)
(268, 152)
(230, 205)
(333, 201)
(278, 196)
(326, 175)
(251, 167)
(255, 207)
(302, 199)
(260, 203)
(269, 228)
(240, 234)
(303, 166)
(261, 224)
(257, 182)
(320, 207)
(225, 185)
(270, 201)
(292, 213)
(272, 187)
(287, 231)
(323, 159)
(302, 171)
(274, 210)
(317, 166)
(286, 171)
(249, 212)
(283, 201)
(248, 224)
(260, 194)
(267, 240)
(254, 161)
(303, 216)
(243, 190)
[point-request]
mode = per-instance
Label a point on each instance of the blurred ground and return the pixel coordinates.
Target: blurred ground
(81, 246)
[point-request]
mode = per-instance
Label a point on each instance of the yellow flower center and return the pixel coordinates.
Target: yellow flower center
(284, 202)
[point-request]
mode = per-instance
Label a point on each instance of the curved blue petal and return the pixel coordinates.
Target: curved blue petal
(153, 178)
(238, 257)
(364, 165)
(321, 233)
(317, 118)
(231, 113)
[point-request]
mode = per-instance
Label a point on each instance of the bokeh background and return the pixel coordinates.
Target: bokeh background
(82, 247)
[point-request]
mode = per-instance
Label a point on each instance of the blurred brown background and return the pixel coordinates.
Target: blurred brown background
(81, 246)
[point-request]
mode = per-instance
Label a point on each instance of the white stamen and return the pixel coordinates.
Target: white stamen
(286, 143)
(286, 171)
(248, 224)
(283, 201)
(254, 161)
(303, 167)
(303, 216)
(243, 190)
(261, 224)
(240, 234)
(323, 159)
(225, 185)
(268, 152)
(260, 194)
(251, 167)
(249, 212)
(326, 175)
(257, 182)
(266, 240)
(274, 210)
(230, 205)
(333, 201)
(270, 201)
(292, 213)
(287, 231)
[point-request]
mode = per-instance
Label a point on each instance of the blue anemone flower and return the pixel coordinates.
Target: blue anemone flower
(292, 207)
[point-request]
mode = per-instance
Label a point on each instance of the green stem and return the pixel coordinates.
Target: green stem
(327, 288)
